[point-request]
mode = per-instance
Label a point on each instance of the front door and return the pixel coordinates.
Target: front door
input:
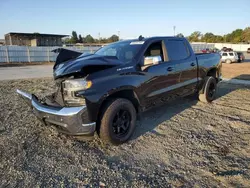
(162, 78)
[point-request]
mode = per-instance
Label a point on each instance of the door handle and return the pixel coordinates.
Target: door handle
(169, 69)
(192, 64)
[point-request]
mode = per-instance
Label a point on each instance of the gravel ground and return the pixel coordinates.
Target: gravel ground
(183, 144)
(236, 70)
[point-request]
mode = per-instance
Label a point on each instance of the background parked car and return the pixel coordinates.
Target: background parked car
(205, 50)
(248, 50)
(211, 50)
(229, 57)
(241, 56)
(225, 49)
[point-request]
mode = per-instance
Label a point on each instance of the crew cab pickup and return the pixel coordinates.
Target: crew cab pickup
(103, 92)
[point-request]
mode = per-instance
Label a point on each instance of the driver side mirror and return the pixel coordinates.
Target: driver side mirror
(152, 60)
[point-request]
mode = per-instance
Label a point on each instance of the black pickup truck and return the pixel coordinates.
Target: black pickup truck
(103, 92)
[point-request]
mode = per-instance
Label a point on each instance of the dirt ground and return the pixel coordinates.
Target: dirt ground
(21, 64)
(183, 144)
(236, 70)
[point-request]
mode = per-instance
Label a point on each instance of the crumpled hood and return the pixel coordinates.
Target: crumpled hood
(77, 65)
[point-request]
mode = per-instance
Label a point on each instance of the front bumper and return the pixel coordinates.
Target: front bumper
(69, 120)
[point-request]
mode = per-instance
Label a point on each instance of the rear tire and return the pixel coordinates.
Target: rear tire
(228, 61)
(209, 90)
(117, 122)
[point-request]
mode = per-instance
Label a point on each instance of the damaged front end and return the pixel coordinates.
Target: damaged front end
(65, 108)
(62, 109)
(69, 120)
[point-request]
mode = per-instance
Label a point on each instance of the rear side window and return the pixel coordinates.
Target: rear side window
(224, 54)
(231, 54)
(176, 49)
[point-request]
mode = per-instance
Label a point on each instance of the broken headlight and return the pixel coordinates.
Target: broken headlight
(69, 89)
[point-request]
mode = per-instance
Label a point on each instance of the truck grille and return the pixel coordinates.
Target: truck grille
(58, 98)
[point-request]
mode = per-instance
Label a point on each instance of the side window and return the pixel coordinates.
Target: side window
(176, 49)
(111, 52)
(155, 49)
(231, 54)
(224, 54)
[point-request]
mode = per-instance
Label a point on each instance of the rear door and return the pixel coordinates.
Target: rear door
(180, 54)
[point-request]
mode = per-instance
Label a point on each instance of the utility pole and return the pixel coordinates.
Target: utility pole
(99, 36)
(174, 30)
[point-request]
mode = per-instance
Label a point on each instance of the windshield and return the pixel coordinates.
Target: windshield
(124, 51)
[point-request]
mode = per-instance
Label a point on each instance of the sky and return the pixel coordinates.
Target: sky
(131, 17)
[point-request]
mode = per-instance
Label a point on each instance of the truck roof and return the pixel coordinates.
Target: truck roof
(150, 38)
(160, 37)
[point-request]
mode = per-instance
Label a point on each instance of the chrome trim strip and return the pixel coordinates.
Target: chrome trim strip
(65, 111)
(89, 124)
(24, 94)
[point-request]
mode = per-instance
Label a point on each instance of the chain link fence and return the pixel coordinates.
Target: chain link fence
(16, 54)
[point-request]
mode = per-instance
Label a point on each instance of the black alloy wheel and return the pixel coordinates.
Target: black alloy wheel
(121, 123)
(211, 90)
(208, 92)
(117, 122)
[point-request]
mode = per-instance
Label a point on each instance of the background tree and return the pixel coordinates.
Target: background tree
(234, 37)
(103, 40)
(66, 40)
(89, 39)
(113, 38)
(74, 37)
(237, 36)
(195, 36)
(219, 38)
(208, 37)
(246, 35)
(80, 39)
(180, 35)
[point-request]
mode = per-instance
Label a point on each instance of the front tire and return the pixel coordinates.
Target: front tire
(118, 121)
(209, 90)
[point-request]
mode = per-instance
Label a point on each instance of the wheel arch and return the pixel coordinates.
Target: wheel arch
(126, 93)
(214, 73)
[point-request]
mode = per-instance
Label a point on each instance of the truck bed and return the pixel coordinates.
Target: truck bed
(207, 60)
